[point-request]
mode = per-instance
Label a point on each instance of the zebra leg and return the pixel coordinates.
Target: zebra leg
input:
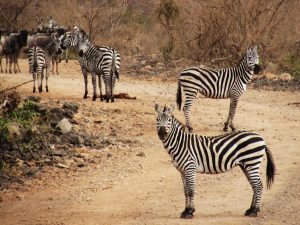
(84, 73)
(6, 63)
(57, 67)
(232, 109)
(188, 179)
(34, 78)
(18, 67)
(94, 86)
(190, 96)
(112, 89)
(10, 63)
(253, 177)
(100, 87)
(52, 69)
(47, 76)
(40, 76)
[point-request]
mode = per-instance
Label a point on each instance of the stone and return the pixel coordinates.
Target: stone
(14, 133)
(141, 154)
(76, 140)
(64, 126)
(60, 165)
(285, 76)
(71, 106)
(34, 98)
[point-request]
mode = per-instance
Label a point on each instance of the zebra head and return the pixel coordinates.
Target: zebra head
(253, 59)
(164, 120)
(83, 45)
(56, 44)
(70, 40)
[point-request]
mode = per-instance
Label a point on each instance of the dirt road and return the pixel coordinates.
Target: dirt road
(137, 184)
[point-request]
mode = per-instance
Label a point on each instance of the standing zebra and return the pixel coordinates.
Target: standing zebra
(102, 61)
(218, 84)
(40, 58)
(192, 153)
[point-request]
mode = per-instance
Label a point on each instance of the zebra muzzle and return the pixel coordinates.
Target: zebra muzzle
(257, 69)
(80, 53)
(162, 133)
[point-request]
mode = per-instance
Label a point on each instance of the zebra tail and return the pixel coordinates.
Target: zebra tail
(179, 96)
(270, 168)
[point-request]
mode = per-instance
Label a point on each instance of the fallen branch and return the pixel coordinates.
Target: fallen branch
(14, 87)
(294, 103)
(121, 96)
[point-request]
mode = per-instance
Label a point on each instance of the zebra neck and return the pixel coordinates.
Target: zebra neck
(244, 71)
(175, 137)
(50, 48)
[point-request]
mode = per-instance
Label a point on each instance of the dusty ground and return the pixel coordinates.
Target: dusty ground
(135, 183)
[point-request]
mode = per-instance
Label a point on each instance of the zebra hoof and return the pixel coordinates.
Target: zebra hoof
(85, 96)
(187, 213)
(252, 212)
(94, 97)
(233, 129)
(190, 129)
(112, 100)
(33, 91)
(225, 129)
(107, 100)
(47, 90)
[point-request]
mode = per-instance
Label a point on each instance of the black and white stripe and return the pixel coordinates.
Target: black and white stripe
(217, 83)
(101, 61)
(41, 58)
(193, 153)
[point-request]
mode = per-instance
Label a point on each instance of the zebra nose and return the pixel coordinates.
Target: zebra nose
(257, 69)
(80, 53)
(162, 132)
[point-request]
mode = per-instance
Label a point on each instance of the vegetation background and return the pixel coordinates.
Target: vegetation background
(213, 31)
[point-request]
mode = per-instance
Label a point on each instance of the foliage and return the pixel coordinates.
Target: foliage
(22, 116)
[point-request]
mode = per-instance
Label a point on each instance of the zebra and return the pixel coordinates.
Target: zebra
(193, 153)
(101, 60)
(40, 59)
(107, 58)
(217, 84)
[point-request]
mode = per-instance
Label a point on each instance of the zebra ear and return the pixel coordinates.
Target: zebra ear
(255, 49)
(157, 107)
(172, 107)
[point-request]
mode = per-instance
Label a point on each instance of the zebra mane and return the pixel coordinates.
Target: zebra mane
(242, 59)
(181, 125)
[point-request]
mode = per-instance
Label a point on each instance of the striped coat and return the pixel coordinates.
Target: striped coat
(217, 84)
(192, 153)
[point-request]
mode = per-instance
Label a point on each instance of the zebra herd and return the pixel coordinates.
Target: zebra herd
(190, 152)
(193, 153)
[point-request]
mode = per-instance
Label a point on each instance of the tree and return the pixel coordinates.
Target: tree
(10, 11)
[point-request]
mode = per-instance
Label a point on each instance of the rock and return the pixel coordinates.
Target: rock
(60, 165)
(141, 154)
(64, 126)
(14, 133)
(285, 76)
(143, 63)
(76, 140)
(148, 67)
(40, 108)
(34, 98)
(153, 62)
(19, 162)
(270, 76)
(71, 106)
